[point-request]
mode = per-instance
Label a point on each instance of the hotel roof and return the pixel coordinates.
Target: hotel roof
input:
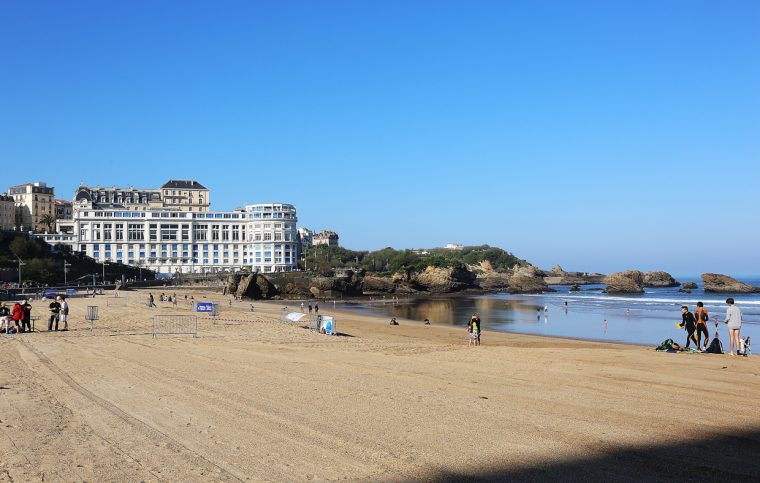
(183, 184)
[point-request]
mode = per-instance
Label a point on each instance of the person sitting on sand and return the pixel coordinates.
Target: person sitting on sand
(393, 321)
(688, 322)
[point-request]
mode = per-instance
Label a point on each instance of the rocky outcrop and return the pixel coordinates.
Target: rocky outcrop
(717, 283)
(527, 280)
(348, 284)
(558, 271)
(494, 281)
(689, 285)
(373, 284)
(659, 279)
(255, 286)
(629, 281)
(444, 279)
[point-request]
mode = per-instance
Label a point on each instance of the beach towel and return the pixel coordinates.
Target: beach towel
(715, 347)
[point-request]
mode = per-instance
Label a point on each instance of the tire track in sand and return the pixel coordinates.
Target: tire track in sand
(170, 443)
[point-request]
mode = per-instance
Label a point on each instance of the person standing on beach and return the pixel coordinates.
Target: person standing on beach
(64, 312)
(734, 323)
(316, 309)
(310, 309)
(701, 315)
(150, 300)
(688, 322)
(55, 310)
(26, 322)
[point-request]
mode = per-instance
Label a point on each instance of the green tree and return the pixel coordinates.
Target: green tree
(48, 221)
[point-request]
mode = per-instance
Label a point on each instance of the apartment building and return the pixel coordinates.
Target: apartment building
(33, 203)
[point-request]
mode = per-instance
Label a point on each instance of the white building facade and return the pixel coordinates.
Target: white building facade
(262, 238)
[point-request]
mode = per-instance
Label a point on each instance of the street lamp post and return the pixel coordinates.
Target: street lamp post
(104, 271)
(20, 264)
(66, 266)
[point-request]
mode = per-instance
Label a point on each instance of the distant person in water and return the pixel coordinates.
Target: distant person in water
(700, 315)
(734, 323)
(689, 323)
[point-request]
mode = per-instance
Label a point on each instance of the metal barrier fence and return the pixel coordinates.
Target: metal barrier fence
(117, 301)
(175, 325)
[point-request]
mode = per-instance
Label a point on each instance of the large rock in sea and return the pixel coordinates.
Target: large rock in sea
(689, 285)
(717, 283)
(629, 281)
(527, 280)
(444, 279)
(659, 279)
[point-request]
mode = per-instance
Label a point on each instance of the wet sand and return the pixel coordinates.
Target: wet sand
(254, 399)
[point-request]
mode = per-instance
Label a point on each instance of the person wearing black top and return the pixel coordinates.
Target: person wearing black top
(690, 324)
(55, 311)
(26, 324)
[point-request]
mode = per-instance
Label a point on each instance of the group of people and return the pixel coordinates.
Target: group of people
(18, 319)
(172, 299)
(695, 325)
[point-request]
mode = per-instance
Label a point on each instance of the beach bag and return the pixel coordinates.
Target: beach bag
(715, 347)
(667, 344)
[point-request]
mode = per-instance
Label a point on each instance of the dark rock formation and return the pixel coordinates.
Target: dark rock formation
(255, 286)
(575, 288)
(689, 285)
(684, 290)
(494, 281)
(659, 279)
(717, 283)
(629, 281)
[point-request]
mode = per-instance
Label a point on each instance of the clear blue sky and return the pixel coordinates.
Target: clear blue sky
(599, 135)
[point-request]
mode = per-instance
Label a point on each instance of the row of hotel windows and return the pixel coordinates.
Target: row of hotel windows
(136, 232)
(264, 254)
(183, 214)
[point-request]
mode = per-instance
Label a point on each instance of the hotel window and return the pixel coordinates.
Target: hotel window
(135, 231)
(257, 237)
(169, 232)
(153, 232)
(96, 231)
(215, 232)
(107, 231)
(267, 236)
(185, 232)
(200, 232)
(277, 236)
(119, 231)
(235, 233)
(83, 230)
(225, 232)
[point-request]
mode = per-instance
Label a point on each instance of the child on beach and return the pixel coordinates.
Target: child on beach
(474, 327)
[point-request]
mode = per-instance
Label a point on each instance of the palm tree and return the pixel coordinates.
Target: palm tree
(48, 220)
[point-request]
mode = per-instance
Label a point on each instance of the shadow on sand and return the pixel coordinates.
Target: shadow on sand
(721, 457)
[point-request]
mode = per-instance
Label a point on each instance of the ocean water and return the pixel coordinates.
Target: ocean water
(646, 319)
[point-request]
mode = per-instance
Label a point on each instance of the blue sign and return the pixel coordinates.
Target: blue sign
(204, 307)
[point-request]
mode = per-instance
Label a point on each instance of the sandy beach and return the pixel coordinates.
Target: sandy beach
(254, 399)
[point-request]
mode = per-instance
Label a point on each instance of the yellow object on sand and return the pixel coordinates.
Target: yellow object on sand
(678, 324)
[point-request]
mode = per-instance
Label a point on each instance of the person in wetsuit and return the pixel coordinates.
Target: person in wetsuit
(690, 324)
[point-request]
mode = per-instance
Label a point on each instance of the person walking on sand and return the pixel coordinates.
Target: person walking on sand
(688, 323)
(150, 300)
(310, 309)
(701, 316)
(475, 323)
(734, 323)
(316, 309)
(64, 312)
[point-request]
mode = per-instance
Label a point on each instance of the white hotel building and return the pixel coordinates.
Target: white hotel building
(261, 238)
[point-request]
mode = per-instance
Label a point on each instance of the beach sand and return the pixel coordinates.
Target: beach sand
(254, 399)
